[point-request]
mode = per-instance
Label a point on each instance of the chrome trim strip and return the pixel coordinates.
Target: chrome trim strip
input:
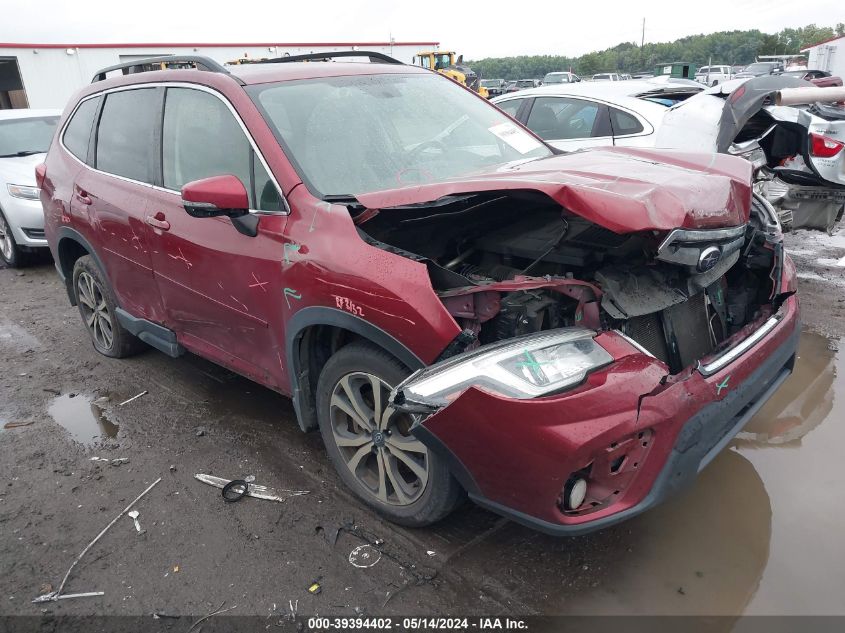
(702, 235)
(738, 350)
(177, 84)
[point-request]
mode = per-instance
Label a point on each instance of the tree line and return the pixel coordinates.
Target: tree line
(724, 47)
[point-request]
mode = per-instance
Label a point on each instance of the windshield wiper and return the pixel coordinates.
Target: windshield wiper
(26, 152)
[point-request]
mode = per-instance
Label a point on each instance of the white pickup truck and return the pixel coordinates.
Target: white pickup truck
(713, 75)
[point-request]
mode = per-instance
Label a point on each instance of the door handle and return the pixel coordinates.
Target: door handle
(158, 221)
(82, 196)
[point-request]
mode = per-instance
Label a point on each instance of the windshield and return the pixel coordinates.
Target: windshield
(357, 134)
(556, 78)
(32, 135)
(491, 83)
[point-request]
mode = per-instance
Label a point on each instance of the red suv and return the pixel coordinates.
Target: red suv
(458, 307)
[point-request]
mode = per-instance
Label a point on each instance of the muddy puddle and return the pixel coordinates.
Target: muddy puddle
(760, 532)
(85, 421)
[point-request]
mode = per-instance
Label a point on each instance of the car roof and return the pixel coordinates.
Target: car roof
(611, 90)
(27, 113)
(265, 73)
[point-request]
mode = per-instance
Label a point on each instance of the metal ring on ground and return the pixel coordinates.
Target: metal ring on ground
(232, 494)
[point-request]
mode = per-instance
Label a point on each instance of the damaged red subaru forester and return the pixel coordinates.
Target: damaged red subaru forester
(459, 309)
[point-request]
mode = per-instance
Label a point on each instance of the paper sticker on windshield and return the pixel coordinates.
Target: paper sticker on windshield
(521, 141)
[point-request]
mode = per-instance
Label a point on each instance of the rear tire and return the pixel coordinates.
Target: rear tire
(370, 445)
(97, 308)
(10, 252)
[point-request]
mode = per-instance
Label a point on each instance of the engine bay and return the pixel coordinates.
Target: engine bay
(507, 264)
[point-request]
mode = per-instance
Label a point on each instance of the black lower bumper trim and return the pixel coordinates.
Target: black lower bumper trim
(702, 438)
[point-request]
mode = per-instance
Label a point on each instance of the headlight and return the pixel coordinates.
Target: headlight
(22, 191)
(522, 368)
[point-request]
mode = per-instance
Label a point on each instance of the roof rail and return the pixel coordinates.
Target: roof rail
(314, 57)
(140, 65)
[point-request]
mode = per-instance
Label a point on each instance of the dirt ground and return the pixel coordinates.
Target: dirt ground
(761, 532)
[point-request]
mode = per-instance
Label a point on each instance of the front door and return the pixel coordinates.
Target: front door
(221, 288)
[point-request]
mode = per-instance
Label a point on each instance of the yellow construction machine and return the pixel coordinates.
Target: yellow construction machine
(444, 62)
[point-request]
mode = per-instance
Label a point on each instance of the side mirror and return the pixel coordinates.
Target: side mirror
(215, 196)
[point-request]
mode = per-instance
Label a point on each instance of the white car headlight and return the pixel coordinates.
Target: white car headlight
(522, 368)
(23, 191)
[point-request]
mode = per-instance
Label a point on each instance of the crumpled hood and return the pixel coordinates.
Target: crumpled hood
(19, 170)
(622, 189)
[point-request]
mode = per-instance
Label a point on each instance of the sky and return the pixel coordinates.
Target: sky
(474, 28)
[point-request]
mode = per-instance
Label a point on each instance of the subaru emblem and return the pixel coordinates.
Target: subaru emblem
(709, 257)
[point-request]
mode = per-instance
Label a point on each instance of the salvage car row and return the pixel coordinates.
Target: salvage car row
(459, 307)
(797, 151)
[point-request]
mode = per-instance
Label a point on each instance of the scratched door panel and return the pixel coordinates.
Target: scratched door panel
(221, 289)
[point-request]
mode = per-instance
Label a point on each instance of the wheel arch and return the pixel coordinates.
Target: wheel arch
(312, 335)
(70, 246)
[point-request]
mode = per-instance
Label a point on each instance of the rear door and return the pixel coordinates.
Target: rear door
(114, 195)
(221, 289)
(569, 123)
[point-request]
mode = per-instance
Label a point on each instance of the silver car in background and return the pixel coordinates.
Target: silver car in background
(25, 136)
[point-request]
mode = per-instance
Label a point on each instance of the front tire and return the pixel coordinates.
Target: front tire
(10, 252)
(370, 444)
(97, 308)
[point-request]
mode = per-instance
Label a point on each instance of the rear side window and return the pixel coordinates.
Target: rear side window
(125, 133)
(78, 130)
(624, 123)
(201, 138)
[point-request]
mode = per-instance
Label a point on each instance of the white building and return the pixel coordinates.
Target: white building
(828, 55)
(46, 75)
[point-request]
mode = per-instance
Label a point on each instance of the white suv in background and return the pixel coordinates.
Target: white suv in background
(25, 136)
(713, 75)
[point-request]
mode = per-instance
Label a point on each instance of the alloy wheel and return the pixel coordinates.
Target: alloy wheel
(95, 310)
(375, 441)
(5, 239)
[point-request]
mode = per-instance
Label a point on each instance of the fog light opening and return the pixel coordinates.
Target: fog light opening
(574, 493)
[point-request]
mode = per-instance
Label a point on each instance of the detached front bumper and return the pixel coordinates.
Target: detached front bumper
(635, 436)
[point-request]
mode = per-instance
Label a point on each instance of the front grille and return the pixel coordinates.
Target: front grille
(34, 234)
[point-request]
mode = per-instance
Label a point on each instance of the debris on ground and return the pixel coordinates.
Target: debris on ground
(55, 392)
(57, 594)
(200, 431)
(143, 393)
(133, 514)
(252, 490)
(219, 609)
(431, 552)
(15, 425)
(364, 556)
(315, 587)
(117, 461)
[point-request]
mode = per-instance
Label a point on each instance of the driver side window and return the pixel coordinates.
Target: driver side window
(201, 138)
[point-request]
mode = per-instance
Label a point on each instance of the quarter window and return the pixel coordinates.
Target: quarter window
(624, 123)
(201, 138)
(78, 130)
(511, 106)
(125, 133)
